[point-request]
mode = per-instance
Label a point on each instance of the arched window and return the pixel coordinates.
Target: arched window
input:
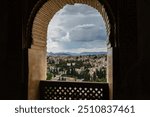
(38, 23)
(76, 45)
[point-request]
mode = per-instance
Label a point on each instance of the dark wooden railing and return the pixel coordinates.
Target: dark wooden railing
(56, 90)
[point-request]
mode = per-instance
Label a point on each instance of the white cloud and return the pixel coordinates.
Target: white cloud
(85, 26)
(75, 27)
(79, 50)
(66, 37)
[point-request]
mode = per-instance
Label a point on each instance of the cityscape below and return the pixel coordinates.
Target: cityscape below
(77, 67)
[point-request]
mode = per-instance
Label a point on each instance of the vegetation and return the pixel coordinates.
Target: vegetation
(49, 76)
(80, 67)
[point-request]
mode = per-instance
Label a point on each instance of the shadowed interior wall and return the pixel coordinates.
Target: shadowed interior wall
(12, 83)
(13, 50)
(137, 80)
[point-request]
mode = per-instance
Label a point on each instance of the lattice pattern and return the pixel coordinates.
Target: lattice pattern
(72, 91)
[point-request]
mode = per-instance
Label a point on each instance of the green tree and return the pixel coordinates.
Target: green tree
(94, 76)
(49, 76)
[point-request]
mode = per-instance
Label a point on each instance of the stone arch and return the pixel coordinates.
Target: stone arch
(39, 19)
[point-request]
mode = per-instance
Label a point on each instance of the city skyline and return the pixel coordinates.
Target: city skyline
(91, 68)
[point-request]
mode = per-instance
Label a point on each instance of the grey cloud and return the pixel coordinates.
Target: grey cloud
(56, 34)
(78, 27)
(84, 44)
(78, 9)
(70, 22)
(87, 33)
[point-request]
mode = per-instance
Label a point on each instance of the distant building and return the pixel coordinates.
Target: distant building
(68, 64)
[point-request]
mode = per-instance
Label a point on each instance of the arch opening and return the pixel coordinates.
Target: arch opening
(37, 53)
(76, 45)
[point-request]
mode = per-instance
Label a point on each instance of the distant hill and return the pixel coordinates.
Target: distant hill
(50, 54)
(57, 54)
(92, 53)
(75, 54)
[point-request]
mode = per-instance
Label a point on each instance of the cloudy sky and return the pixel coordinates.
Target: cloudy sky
(76, 28)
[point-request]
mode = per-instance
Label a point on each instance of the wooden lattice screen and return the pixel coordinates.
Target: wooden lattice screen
(53, 90)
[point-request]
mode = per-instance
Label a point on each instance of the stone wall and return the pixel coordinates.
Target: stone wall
(48, 10)
(37, 68)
